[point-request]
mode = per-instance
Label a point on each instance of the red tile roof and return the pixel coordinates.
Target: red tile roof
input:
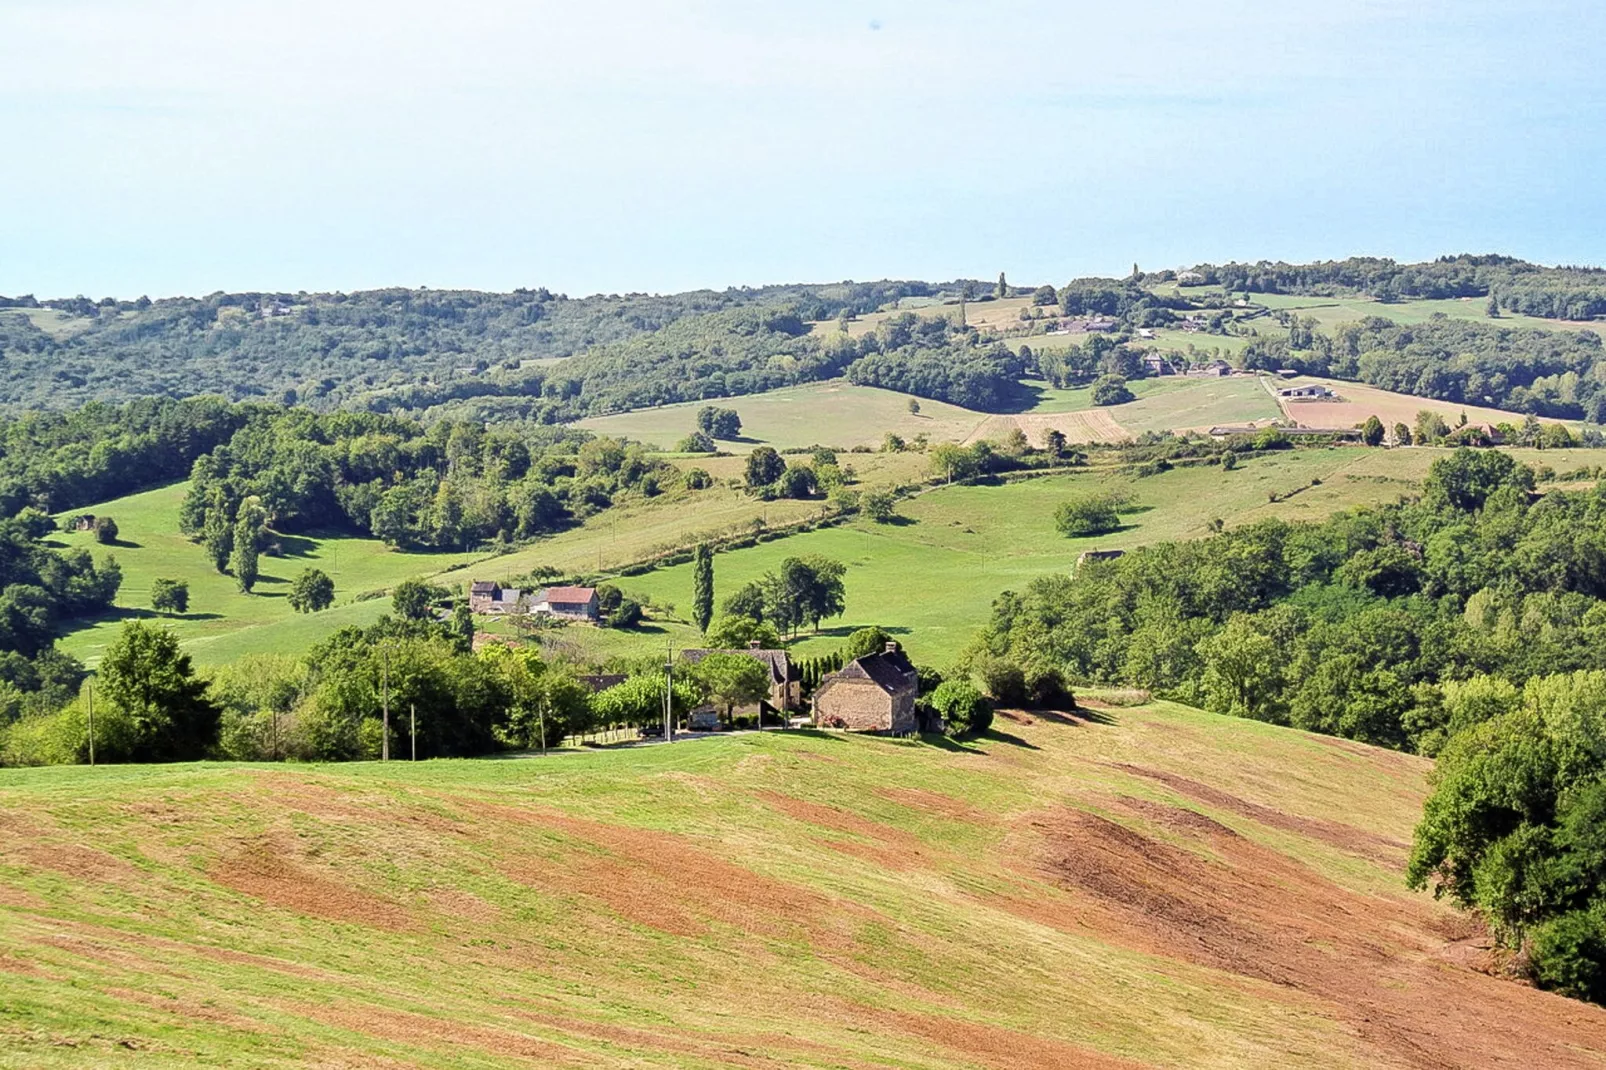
(568, 594)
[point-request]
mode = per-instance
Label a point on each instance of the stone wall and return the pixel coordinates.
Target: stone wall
(859, 704)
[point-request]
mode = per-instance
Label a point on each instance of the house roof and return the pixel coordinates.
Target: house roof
(890, 670)
(601, 681)
(568, 594)
(482, 587)
(779, 661)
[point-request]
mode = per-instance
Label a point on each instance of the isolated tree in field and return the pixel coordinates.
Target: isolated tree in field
(1111, 390)
(748, 601)
(719, 423)
(696, 442)
(105, 530)
(170, 596)
(798, 481)
(1372, 431)
(1402, 435)
(1003, 286)
(1094, 514)
(311, 592)
(953, 462)
(764, 467)
(248, 525)
(1492, 309)
(148, 679)
(736, 632)
(1054, 442)
(411, 599)
(1045, 295)
(878, 505)
(702, 587)
(914, 407)
(893, 443)
(731, 680)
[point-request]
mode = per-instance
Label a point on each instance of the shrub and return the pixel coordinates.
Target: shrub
(1090, 515)
(1002, 679)
(105, 530)
(696, 442)
(1111, 390)
(1569, 955)
(965, 711)
(870, 640)
(698, 479)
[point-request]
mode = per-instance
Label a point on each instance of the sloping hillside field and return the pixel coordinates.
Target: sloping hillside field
(1124, 887)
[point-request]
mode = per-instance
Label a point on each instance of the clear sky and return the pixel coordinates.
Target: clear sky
(187, 146)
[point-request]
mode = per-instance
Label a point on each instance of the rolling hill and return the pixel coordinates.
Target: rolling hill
(1118, 888)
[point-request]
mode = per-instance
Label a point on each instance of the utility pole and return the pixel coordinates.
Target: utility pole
(91, 722)
(412, 723)
(669, 694)
(540, 713)
(384, 703)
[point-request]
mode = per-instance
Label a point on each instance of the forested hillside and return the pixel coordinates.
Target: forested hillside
(538, 356)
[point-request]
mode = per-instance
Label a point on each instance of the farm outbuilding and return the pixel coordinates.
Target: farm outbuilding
(568, 603)
(875, 693)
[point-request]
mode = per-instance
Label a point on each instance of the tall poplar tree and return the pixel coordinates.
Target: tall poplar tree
(702, 596)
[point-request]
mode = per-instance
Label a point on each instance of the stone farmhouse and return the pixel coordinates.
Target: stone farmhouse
(489, 598)
(875, 693)
(786, 690)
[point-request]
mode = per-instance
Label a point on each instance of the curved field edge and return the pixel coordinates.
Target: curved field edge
(1118, 887)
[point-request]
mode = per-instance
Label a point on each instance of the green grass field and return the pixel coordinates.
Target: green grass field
(834, 413)
(222, 623)
(1133, 887)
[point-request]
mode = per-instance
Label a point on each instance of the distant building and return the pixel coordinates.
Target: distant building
(486, 597)
(601, 681)
(786, 690)
(568, 603)
(1190, 278)
(84, 522)
(875, 693)
(1312, 390)
(1098, 555)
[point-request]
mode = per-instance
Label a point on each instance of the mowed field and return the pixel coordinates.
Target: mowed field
(1115, 888)
(834, 413)
(1171, 403)
(1359, 401)
(222, 623)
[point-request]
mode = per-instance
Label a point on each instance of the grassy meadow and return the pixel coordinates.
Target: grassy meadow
(1127, 887)
(222, 623)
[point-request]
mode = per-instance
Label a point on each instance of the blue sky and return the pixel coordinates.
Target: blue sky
(176, 146)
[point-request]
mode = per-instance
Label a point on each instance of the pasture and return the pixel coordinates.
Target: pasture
(1115, 888)
(222, 623)
(1359, 401)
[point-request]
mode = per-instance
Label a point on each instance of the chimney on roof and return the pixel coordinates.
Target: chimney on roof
(753, 644)
(892, 646)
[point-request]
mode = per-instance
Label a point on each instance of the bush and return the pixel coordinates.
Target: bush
(105, 530)
(870, 640)
(1569, 955)
(696, 442)
(698, 479)
(965, 711)
(1111, 390)
(1092, 515)
(1002, 679)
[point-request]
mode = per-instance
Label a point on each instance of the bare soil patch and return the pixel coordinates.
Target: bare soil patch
(995, 1046)
(1389, 852)
(1373, 963)
(403, 1027)
(264, 869)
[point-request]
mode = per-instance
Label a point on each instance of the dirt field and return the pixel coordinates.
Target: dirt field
(1094, 426)
(1360, 401)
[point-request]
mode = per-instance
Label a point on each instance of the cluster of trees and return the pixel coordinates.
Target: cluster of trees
(1516, 286)
(1516, 825)
(770, 476)
(1103, 357)
(1560, 374)
(1351, 627)
(56, 461)
(934, 357)
(804, 590)
(446, 486)
(1090, 514)
(40, 586)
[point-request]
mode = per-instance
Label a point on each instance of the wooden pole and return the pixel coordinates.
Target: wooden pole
(91, 722)
(412, 723)
(384, 704)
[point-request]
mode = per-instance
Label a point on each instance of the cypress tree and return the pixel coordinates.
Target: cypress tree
(703, 587)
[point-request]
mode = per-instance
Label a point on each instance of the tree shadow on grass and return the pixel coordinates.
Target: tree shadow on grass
(896, 521)
(1009, 738)
(942, 742)
(842, 631)
(295, 546)
(1082, 715)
